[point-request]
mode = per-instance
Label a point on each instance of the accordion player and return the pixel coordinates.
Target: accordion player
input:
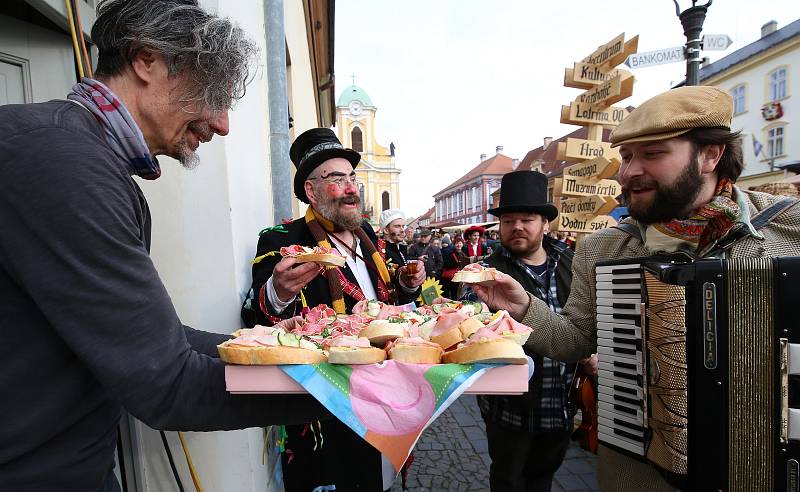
(698, 369)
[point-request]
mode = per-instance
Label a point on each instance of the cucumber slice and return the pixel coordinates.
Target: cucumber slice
(288, 339)
(437, 308)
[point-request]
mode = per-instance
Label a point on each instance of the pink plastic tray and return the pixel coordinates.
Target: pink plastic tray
(502, 380)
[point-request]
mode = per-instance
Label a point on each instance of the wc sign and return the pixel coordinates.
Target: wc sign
(716, 42)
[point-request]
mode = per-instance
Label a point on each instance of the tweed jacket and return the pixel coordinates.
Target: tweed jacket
(571, 335)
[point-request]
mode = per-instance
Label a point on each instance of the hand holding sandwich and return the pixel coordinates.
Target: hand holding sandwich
(504, 294)
(290, 276)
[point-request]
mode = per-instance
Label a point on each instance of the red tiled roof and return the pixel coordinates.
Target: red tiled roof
(499, 164)
(548, 155)
(427, 214)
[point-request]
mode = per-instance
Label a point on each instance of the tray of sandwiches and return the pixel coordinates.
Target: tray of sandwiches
(446, 332)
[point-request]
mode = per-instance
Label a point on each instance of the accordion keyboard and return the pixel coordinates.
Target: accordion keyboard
(621, 391)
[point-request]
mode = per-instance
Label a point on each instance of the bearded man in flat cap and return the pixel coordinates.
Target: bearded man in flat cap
(680, 161)
(326, 180)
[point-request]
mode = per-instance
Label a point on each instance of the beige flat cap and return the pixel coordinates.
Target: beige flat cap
(674, 113)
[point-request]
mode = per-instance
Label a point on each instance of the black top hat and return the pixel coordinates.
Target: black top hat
(310, 149)
(524, 191)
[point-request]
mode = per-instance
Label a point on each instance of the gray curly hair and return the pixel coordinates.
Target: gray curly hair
(214, 53)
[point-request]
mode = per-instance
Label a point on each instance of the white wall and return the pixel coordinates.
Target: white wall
(205, 230)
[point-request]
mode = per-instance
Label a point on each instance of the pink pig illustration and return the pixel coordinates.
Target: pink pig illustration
(394, 409)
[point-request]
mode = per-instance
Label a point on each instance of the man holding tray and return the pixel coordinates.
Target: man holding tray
(326, 180)
(86, 326)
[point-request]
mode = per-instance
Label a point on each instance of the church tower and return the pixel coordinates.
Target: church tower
(378, 176)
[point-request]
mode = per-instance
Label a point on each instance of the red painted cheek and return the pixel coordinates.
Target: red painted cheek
(332, 190)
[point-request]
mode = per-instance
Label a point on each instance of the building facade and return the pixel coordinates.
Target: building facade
(378, 175)
(466, 200)
(763, 78)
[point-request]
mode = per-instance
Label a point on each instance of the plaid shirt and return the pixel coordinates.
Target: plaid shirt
(548, 412)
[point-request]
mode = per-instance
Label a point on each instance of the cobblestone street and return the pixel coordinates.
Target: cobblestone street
(452, 455)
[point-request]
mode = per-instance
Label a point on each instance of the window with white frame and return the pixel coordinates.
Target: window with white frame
(777, 84)
(738, 95)
(474, 193)
(775, 141)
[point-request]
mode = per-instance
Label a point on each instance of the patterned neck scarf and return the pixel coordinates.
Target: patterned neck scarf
(699, 233)
(337, 282)
(122, 133)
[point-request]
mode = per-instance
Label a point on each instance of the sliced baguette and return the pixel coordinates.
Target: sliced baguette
(451, 337)
(355, 355)
(416, 354)
(380, 331)
(490, 352)
(322, 259)
(483, 277)
(268, 356)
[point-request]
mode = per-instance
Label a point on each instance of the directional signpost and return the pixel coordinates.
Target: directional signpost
(587, 189)
(716, 42)
(710, 42)
(658, 57)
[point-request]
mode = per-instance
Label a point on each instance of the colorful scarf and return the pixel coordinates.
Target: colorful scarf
(699, 233)
(122, 133)
(337, 282)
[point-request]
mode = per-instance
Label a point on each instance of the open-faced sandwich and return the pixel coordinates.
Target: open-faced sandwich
(380, 331)
(317, 254)
(455, 322)
(486, 346)
(414, 350)
(270, 345)
(347, 349)
(475, 273)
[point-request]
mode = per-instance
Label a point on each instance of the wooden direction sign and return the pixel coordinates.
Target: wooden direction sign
(588, 114)
(592, 205)
(573, 186)
(608, 92)
(597, 168)
(578, 149)
(613, 53)
(586, 76)
(582, 222)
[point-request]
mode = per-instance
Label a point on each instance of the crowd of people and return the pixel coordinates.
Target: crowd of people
(88, 329)
(445, 251)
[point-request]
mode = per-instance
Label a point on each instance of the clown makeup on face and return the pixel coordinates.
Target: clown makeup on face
(334, 193)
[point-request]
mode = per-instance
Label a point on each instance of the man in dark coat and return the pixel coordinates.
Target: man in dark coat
(330, 453)
(529, 434)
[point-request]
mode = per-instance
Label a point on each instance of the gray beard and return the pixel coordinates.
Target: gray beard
(330, 210)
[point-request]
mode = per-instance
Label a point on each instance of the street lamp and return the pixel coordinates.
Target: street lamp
(692, 22)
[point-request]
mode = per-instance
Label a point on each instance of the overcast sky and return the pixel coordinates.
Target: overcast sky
(452, 79)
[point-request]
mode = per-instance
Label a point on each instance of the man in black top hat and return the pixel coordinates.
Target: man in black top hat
(326, 180)
(529, 434)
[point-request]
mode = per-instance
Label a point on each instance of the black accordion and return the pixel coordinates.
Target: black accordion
(698, 368)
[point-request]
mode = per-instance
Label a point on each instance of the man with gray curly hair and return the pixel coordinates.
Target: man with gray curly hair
(86, 326)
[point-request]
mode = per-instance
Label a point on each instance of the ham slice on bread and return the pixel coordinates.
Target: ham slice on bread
(317, 254)
(486, 346)
(414, 350)
(380, 331)
(347, 349)
(475, 273)
(271, 345)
